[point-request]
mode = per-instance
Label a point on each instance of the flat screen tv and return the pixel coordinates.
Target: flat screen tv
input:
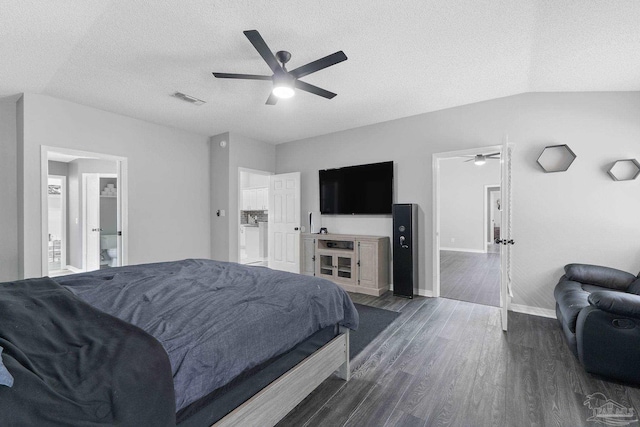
(362, 189)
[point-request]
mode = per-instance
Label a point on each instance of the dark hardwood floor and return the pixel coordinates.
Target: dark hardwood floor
(448, 363)
(471, 277)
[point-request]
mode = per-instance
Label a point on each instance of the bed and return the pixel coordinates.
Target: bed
(229, 344)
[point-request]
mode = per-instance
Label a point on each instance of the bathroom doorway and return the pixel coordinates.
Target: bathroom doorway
(100, 219)
(57, 220)
(94, 223)
(253, 211)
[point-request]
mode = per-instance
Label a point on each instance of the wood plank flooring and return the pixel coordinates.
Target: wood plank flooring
(447, 363)
(472, 277)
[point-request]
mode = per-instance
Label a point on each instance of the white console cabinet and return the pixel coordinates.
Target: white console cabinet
(358, 264)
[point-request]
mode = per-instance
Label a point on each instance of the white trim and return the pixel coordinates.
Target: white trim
(475, 251)
(73, 269)
(423, 293)
(534, 311)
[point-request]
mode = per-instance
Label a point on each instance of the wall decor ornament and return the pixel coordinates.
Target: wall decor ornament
(556, 158)
(624, 170)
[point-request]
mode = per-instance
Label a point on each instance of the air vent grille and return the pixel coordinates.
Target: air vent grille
(190, 99)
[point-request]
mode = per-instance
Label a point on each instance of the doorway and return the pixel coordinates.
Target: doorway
(57, 221)
(253, 219)
(100, 220)
(92, 232)
(468, 271)
(467, 264)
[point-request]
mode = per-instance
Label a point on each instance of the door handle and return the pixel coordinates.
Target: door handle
(402, 239)
(96, 229)
(505, 241)
(296, 229)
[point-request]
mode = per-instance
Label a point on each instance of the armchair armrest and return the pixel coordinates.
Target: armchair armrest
(618, 303)
(599, 276)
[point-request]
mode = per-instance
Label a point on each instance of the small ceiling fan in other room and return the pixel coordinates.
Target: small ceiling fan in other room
(284, 81)
(481, 159)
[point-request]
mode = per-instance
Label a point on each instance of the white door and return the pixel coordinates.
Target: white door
(92, 221)
(284, 222)
(505, 233)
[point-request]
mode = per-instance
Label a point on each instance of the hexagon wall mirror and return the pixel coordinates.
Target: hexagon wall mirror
(556, 158)
(624, 170)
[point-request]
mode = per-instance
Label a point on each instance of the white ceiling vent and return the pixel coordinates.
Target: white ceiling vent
(190, 99)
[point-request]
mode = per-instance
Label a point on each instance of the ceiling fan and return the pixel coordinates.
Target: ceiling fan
(481, 159)
(284, 81)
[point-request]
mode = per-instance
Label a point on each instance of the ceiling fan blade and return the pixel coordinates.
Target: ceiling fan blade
(240, 76)
(258, 42)
(314, 89)
(492, 154)
(470, 160)
(319, 64)
(272, 100)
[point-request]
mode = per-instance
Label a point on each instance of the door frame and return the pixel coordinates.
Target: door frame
(488, 189)
(436, 158)
(63, 245)
(256, 172)
(123, 199)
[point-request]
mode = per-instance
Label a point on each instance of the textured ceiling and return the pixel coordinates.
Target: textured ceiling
(405, 58)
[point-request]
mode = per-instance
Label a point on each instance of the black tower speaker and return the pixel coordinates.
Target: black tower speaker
(405, 249)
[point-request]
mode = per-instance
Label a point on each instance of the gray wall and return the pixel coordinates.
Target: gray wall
(219, 176)
(168, 175)
(8, 190)
(577, 216)
(240, 152)
(462, 209)
(244, 153)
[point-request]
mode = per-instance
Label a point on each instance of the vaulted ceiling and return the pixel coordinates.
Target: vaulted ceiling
(405, 57)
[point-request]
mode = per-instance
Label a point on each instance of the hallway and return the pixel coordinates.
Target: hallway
(471, 277)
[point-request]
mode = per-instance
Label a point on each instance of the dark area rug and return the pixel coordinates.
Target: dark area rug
(372, 322)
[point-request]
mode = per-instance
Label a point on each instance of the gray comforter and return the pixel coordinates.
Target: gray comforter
(215, 319)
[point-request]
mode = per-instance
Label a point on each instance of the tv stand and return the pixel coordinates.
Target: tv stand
(358, 264)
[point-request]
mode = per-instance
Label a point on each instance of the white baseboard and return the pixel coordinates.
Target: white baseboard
(475, 251)
(420, 292)
(424, 292)
(534, 311)
(73, 269)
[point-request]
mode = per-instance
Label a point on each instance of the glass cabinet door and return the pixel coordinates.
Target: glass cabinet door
(344, 267)
(326, 265)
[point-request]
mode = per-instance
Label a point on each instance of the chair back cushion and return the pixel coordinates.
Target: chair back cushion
(634, 288)
(599, 276)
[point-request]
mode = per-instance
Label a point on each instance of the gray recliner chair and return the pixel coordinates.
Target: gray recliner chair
(598, 309)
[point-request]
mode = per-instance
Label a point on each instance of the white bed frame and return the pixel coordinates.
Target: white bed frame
(275, 401)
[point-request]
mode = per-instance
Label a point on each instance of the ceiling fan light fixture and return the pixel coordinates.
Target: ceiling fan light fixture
(283, 91)
(283, 85)
(479, 160)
